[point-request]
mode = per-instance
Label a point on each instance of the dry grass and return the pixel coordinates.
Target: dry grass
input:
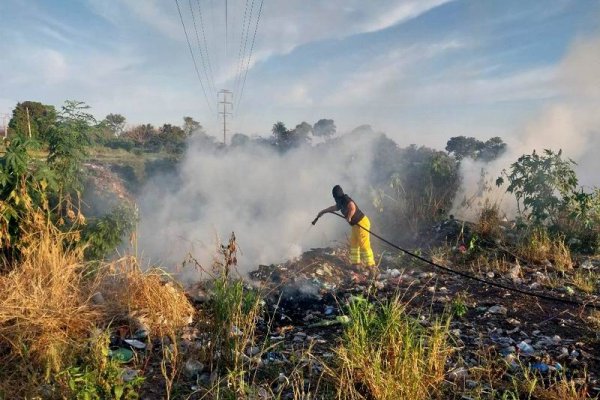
(388, 355)
(44, 307)
(146, 298)
(488, 223)
(47, 316)
(530, 385)
(537, 247)
(586, 281)
(594, 319)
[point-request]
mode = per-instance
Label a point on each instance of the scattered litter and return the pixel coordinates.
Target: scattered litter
(498, 309)
(129, 374)
(339, 320)
(121, 354)
(192, 368)
(135, 343)
(525, 348)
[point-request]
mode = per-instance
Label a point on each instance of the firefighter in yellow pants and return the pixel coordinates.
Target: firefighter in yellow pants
(360, 243)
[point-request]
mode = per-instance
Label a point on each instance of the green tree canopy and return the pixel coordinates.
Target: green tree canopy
(285, 139)
(41, 119)
(191, 126)
(67, 142)
(115, 123)
(324, 128)
(463, 147)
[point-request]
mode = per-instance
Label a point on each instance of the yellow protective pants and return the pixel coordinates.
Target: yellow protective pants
(360, 243)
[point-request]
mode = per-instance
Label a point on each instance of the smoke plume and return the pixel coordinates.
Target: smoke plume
(268, 198)
(571, 123)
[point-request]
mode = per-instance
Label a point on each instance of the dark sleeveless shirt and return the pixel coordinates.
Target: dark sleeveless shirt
(342, 205)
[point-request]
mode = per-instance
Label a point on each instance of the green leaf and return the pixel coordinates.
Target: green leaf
(118, 390)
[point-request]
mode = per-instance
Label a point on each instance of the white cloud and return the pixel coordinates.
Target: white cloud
(384, 78)
(289, 24)
(401, 12)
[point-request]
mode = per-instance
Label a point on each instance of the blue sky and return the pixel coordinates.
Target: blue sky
(420, 70)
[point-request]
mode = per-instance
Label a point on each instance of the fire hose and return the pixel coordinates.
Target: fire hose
(472, 277)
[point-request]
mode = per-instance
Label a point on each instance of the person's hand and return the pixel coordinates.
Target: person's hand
(316, 219)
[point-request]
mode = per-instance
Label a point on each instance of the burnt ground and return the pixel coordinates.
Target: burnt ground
(305, 296)
(497, 322)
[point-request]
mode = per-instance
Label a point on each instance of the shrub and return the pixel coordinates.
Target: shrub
(105, 233)
(120, 143)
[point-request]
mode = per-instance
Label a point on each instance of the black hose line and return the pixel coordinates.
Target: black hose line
(472, 277)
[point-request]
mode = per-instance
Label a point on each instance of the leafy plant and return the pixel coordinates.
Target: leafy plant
(24, 185)
(542, 183)
(67, 142)
(105, 234)
(86, 383)
(459, 306)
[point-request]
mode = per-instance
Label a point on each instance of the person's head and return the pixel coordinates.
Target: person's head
(337, 192)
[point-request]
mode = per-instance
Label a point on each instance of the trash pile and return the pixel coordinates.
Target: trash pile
(308, 294)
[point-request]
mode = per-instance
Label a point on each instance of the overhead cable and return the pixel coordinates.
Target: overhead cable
(187, 38)
(250, 55)
(203, 54)
(242, 54)
(206, 47)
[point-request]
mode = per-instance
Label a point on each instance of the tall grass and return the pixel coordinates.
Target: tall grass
(530, 385)
(48, 320)
(538, 246)
(386, 354)
(44, 305)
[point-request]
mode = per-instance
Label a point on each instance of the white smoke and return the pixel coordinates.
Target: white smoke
(572, 123)
(269, 199)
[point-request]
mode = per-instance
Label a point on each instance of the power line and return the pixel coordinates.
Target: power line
(242, 55)
(212, 28)
(206, 47)
(203, 55)
(226, 32)
(250, 55)
(187, 38)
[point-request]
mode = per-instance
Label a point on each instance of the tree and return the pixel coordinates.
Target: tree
(67, 142)
(492, 149)
(303, 129)
(115, 123)
(171, 138)
(463, 147)
(239, 139)
(190, 126)
(286, 139)
(141, 134)
(280, 133)
(40, 120)
(324, 128)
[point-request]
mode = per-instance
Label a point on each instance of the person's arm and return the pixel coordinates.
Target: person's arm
(351, 211)
(333, 208)
(323, 211)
